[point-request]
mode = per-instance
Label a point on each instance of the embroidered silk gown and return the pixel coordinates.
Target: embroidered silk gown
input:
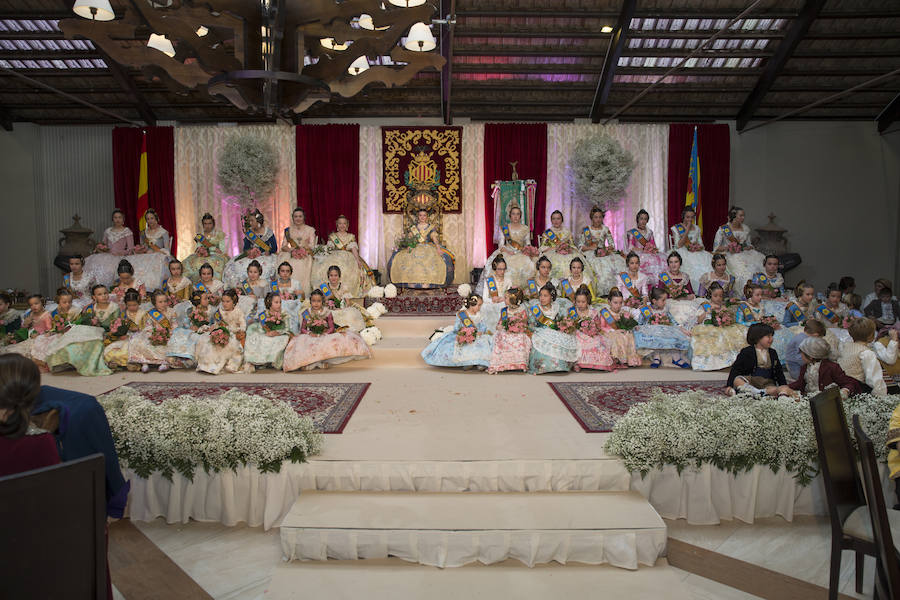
(236, 268)
(356, 275)
(292, 239)
(592, 349)
(554, 243)
(741, 264)
(216, 246)
(605, 268)
(308, 351)
(551, 349)
(652, 263)
(695, 263)
(511, 350)
(428, 265)
(101, 266)
(261, 349)
(446, 352)
(214, 359)
(519, 266)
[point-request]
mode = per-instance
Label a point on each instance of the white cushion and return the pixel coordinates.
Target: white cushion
(859, 525)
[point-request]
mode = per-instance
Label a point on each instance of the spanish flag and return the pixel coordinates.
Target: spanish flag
(692, 198)
(143, 200)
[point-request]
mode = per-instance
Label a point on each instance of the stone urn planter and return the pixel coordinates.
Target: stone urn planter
(76, 240)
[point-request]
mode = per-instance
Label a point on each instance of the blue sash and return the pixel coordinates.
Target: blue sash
(796, 312)
(504, 314)
(260, 243)
(201, 287)
(88, 310)
(506, 235)
(262, 317)
(275, 287)
(761, 279)
(165, 284)
(246, 288)
(636, 234)
(664, 277)
(551, 236)
(539, 316)
(532, 287)
(745, 310)
(706, 306)
(566, 287)
(629, 284)
(729, 234)
(463, 316)
(586, 232)
(572, 313)
(158, 317)
(54, 313)
(200, 238)
(607, 316)
(646, 312)
(827, 313)
(679, 229)
(325, 289)
(217, 316)
(305, 315)
(492, 287)
(67, 280)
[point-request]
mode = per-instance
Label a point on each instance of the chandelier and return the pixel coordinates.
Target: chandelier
(275, 57)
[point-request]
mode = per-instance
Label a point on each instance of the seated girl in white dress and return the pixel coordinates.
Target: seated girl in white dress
(832, 312)
(559, 246)
(268, 337)
(117, 242)
(599, 250)
(297, 247)
(259, 244)
(770, 279)
(155, 250)
(641, 241)
(494, 290)
(341, 249)
(553, 347)
(469, 344)
(211, 248)
(78, 347)
(149, 346)
(515, 247)
(339, 300)
(78, 282)
(719, 275)
(128, 324)
(733, 239)
(319, 344)
(210, 285)
(659, 336)
(687, 240)
(221, 349)
(716, 339)
(633, 283)
(252, 289)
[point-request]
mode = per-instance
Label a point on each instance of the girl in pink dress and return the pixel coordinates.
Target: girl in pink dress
(674, 281)
(592, 350)
(512, 344)
(617, 322)
(641, 241)
(117, 241)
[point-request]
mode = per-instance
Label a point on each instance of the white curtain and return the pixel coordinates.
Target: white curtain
(650, 146)
(463, 232)
(197, 190)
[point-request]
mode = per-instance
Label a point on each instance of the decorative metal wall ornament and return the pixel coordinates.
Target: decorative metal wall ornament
(265, 56)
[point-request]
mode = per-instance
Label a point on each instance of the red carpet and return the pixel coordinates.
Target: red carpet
(329, 405)
(436, 302)
(597, 406)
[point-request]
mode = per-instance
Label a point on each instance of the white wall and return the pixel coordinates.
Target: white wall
(834, 185)
(19, 266)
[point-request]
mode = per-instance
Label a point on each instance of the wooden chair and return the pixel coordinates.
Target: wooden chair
(882, 521)
(843, 490)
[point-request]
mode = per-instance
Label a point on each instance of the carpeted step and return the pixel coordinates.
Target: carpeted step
(454, 529)
(417, 327)
(390, 579)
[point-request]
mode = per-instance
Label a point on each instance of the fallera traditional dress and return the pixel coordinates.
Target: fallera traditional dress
(40, 325)
(152, 267)
(80, 289)
(715, 347)
(592, 349)
(553, 243)
(747, 314)
(117, 292)
(519, 266)
(180, 290)
(236, 268)
(293, 239)
(633, 287)
(214, 288)
(79, 348)
(261, 349)
(619, 341)
(605, 268)
(511, 350)
(141, 350)
(215, 359)
(796, 313)
(309, 351)
(741, 264)
(551, 350)
(250, 296)
(773, 285)
(427, 265)
(445, 351)
(349, 314)
(831, 317)
(493, 287)
(727, 282)
(101, 266)
(216, 246)
(694, 263)
(652, 263)
(568, 286)
(356, 275)
(648, 336)
(182, 347)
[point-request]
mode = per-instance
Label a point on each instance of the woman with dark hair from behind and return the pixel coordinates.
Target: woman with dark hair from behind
(23, 446)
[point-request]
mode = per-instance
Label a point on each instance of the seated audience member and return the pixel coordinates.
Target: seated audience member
(818, 373)
(23, 446)
(83, 430)
(871, 296)
(757, 368)
(859, 359)
(792, 357)
(884, 309)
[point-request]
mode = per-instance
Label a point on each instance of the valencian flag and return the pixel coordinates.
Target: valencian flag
(143, 200)
(692, 198)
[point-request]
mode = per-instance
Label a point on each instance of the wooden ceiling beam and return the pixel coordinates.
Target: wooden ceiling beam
(889, 115)
(6, 119)
(611, 62)
(795, 32)
(483, 11)
(448, 11)
(128, 86)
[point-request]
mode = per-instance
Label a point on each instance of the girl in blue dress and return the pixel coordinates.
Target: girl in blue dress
(446, 351)
(552, 349)
(660, 333)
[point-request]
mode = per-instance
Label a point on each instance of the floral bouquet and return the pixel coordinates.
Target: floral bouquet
(466, 335)
(274, 322)
(321, 250)
(9, 339)
(516, 324)
(589, 326)
(219, 335)
(59, 324)
(253, 253)
(334, 303)
(140, 249)
(566, 325)
(626, 323)
(695, 247)
(407, 241)
(197, 318)
(659, 319)
(734, 248)
(202, 251)
(173, 300)
(88, 319)
(604, 250)
(633, 302)
(771, 321)
(530, 251)
(564, 249)
(299, 253)
(720, 318)
(118, 329)
(286, 295)
(159, 336)
(676, 290)
(101, 247)
(317, 325)
(845, 322)
(650, 249)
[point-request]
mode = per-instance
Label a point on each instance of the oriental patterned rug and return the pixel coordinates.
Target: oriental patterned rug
(329, 405)
(435, 302)
(597, 406)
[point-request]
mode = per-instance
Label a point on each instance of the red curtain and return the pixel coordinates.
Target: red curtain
(522, 142)
(714, 150)
(126, 142)
(328, 175)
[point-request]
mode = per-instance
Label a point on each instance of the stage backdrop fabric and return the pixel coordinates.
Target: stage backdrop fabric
(126, 145)
(525, 143)
(714, 150)
(328, 175)
(441, 144)
(648, 143)
(197, 190)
